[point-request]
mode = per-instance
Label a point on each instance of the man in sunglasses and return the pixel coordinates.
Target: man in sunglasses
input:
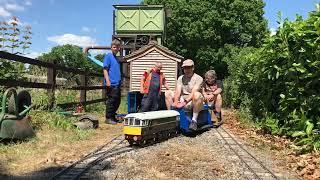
(187, 94)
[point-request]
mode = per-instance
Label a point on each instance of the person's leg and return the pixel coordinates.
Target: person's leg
(117, 100)
(218, 105)
(197, 103)
(169, 95)
(155, 103)
(110, 107)
(212, 111)
(146, 103)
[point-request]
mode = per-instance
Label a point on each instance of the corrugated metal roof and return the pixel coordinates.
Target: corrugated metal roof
(152, 45)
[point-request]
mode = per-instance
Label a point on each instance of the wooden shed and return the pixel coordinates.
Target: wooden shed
(145, 58)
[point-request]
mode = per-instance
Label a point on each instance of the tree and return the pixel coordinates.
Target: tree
(68, 56)
(100, 57)
(200, 30)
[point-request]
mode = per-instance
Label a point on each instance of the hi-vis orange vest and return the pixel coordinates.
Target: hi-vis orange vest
(148, 75)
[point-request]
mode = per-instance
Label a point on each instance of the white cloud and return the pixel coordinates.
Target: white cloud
(82, 41)
(14, 7)
(4, 13)
(28, 3)
(87, 29)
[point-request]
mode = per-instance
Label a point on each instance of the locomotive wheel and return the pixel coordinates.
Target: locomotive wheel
(131, 142)
(143, 143)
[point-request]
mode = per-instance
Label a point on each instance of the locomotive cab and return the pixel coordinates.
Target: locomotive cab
(131, 121)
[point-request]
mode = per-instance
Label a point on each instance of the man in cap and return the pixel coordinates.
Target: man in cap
(187, 94)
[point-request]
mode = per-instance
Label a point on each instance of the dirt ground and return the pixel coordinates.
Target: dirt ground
(51, 151)
(200, 157)
(283, 150)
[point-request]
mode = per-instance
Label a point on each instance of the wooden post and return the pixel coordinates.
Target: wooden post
(83, 93)
(51, 79)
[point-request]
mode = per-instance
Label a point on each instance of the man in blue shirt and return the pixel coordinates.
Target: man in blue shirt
(112, 79)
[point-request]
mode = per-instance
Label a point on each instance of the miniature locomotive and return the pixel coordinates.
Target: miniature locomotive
(140, 128)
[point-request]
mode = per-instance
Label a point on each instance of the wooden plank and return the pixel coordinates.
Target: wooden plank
(25, 84)
(72, 104)
(82, 87)
(22, 59)
(19, 83)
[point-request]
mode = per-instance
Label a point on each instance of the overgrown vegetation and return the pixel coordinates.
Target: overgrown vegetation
(14, 38)
(279, 82)
(201, 30)
(273, 80)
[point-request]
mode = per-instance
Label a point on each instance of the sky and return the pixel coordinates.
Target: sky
(58, 22)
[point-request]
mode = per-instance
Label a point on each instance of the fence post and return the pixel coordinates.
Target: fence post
(83, 92)
(51, 79)
(104, 90)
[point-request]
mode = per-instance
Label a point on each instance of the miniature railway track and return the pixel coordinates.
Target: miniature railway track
(256, 169)
(96, 160)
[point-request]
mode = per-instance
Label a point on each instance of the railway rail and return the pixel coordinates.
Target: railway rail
(255, 169)
(99, 159)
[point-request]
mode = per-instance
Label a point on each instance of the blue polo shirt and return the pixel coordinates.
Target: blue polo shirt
(112, 65)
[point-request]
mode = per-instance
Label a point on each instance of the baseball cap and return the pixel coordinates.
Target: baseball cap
(187, 62)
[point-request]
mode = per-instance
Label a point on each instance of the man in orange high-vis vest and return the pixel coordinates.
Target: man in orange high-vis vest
(150, 86)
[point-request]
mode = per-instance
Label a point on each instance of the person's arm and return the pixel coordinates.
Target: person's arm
(106, 77)
(177, 94)
(219, 90)
(204, 93)
(196, 88)
(164, 81)
(106, 66)
(142, 81)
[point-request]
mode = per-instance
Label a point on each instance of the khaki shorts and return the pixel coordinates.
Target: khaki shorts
(189, 106)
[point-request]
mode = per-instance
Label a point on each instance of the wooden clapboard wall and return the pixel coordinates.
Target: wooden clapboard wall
(139, 65)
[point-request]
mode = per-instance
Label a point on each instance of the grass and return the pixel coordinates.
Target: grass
(57, 141)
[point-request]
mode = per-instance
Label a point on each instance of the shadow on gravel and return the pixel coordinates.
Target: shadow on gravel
(41, 174)
(46, 173)
(196, 133)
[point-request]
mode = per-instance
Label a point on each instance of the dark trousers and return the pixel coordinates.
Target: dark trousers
(113, 101)
(150, 102)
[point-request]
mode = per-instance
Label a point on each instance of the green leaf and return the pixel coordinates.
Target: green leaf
(282, 96)
(292, 99)
(296, 64)
(309, 128)
(304, 141)
(298, 134)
